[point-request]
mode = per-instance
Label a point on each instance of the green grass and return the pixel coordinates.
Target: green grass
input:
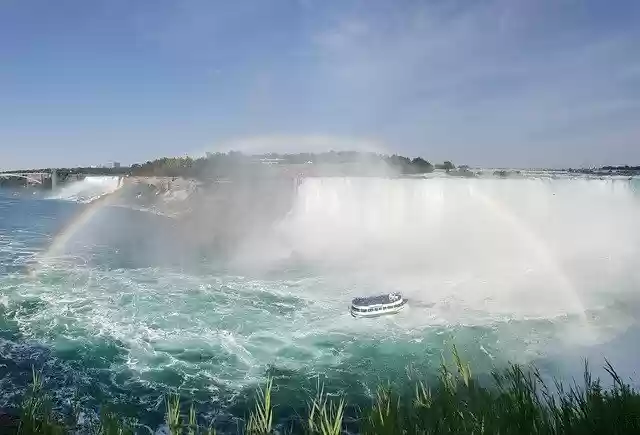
(518, 401)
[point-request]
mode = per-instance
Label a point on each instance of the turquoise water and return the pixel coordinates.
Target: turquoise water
(118, 304)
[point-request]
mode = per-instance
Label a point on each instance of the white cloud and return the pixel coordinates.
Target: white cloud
(473, 81)
(495, 74)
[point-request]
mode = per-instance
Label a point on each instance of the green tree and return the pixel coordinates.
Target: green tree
(447, 166)
(421, 165)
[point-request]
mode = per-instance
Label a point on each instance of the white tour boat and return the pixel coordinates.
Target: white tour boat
(373, 306)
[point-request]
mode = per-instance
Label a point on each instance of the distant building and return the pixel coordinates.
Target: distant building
(116, 165)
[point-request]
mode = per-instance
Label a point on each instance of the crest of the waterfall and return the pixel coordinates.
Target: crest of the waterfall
(88, 189)
(342, 217)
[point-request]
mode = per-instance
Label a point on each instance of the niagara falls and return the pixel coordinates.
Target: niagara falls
(319, 217)
(122, 302)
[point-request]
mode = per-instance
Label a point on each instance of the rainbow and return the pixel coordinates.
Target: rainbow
(60, 240)
(536, 243)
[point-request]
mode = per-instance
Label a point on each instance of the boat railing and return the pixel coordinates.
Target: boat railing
(389, 305)
(365, 309)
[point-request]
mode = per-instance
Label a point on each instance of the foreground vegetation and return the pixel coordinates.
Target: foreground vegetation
(518, 401)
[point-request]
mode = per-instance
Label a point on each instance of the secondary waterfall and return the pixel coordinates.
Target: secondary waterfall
(88, 189)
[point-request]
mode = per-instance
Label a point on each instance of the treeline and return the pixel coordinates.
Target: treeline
(214, 165)
(620, 170)
(224, 164)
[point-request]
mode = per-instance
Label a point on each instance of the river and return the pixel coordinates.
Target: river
(116, 301)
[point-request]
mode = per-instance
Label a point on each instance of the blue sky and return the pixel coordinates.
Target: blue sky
(482, 82)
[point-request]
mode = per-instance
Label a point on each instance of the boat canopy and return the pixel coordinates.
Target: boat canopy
(377, 300)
